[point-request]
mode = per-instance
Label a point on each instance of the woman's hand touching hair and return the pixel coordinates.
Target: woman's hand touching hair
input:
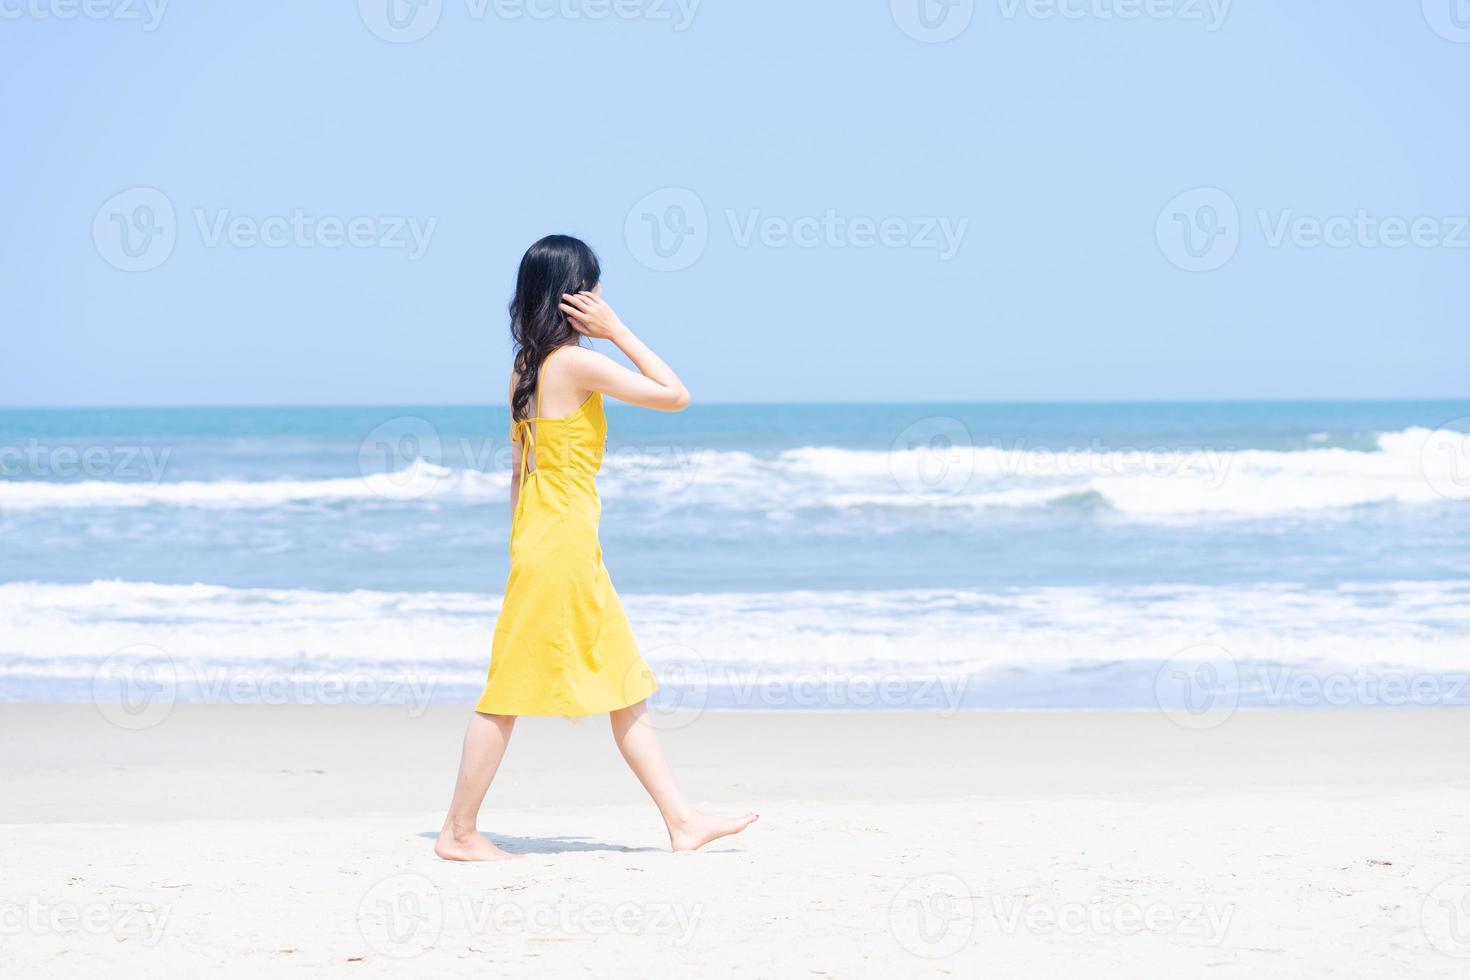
(590, 316)
(654, 385)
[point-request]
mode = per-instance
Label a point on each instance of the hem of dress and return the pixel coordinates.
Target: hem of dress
(580, 713)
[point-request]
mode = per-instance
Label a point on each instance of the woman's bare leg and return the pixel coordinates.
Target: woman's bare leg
(688, 828)
(484, 746)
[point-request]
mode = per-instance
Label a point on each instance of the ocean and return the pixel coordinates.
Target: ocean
(769, 556)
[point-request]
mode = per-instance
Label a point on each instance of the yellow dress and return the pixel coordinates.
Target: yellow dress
(562, 643)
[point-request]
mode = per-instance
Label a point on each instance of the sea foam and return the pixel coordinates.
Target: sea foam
(1413, 466)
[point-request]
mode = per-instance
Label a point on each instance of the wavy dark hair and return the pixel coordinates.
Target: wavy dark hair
(555, 265)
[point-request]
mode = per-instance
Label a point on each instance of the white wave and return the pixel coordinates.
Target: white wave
(419, 480)
(1414, 466)
(67, 631)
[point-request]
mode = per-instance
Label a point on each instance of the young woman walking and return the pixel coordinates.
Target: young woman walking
(562, 645)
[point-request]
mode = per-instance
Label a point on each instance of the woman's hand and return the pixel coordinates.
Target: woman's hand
(590, 316)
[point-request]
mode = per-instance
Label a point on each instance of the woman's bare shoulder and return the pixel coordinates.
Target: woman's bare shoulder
(581, 362)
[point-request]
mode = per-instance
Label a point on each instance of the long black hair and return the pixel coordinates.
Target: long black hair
(555, 265)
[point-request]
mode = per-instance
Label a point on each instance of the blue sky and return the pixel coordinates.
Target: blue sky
(1079, 199)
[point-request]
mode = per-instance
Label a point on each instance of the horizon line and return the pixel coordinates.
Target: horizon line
(248, 406)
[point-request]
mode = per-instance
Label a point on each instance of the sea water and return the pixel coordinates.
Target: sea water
(770, 556)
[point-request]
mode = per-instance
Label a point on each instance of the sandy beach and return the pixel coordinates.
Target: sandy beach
(293, 840)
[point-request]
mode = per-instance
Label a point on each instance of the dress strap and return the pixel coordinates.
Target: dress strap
(524, 432)
(520, 431)
(541, 376)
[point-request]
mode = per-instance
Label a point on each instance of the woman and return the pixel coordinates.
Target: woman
(562, 644)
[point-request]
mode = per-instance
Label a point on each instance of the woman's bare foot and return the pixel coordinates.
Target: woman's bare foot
(697, 830)
(460, 844)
